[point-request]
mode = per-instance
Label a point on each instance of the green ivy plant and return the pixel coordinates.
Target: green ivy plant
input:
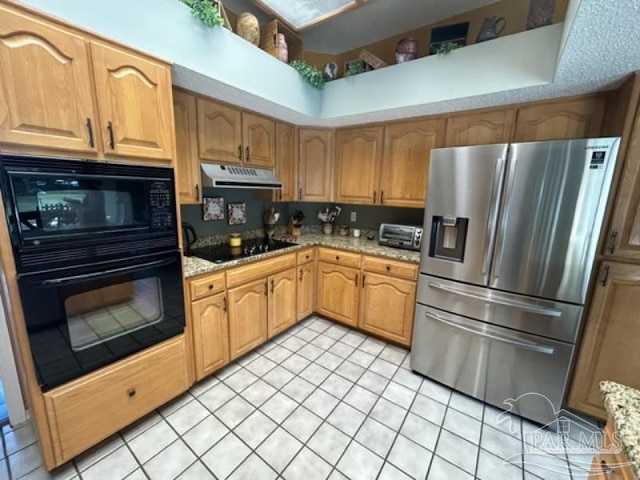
(445, 47)
(354, 68)
(310, 73)
(205, 10)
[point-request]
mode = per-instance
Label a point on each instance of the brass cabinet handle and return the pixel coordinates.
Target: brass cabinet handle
(239, 152)
(356, 279)
(131, 392)
(605, 276)
(300, 194)
(224, 304)
(266, 288)
(606, 469)
(337, 257)
(197, 192)
(301, 273)
(272, 285)
(613, 242)
(246, 157)
(381, 197)
(211, 286)
(363, 278)
(374, 196)
(388, 268)
(112, 143)
(90, 132)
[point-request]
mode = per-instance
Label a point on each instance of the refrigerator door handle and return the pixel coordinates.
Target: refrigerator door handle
(502, 230)
(493, 216)
(520, 344)
(548, 312)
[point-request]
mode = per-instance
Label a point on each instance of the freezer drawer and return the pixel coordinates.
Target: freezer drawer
(492, 364)
(556, 320)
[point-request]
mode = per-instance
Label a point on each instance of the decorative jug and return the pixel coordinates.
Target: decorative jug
(491, 27)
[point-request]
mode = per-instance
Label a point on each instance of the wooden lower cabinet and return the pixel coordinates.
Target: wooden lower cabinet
(282, 301)
(612, 326)
(610, 466)
(306, 290)
(386, 307)
(247, 316)
(89, 409)
(210, 334)
(338, 292)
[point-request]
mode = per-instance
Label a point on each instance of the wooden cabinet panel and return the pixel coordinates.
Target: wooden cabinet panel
(338, 292)
(282, 301)
(386, 307)
(314, 182)
(210, 334)
(286, 161)
(610, 466)
(87, 410)
(134, 100)
(553, 121)
(259, 140)
(219, 132)
(187, 162)
(612, 326)
(45, 85)
(206, 286)
(481, 128)
(357, 165)
(306, 290)
(340, 257)
(247, 317)
(306, 256)
(405, 162)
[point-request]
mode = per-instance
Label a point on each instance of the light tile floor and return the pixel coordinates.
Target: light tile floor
(319, 401)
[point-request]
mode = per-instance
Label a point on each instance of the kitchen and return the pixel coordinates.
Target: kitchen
(317, 134)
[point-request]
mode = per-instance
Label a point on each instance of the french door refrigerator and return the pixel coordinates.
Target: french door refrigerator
(511, 234)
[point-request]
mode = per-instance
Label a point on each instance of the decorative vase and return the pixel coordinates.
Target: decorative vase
(327, 228)
(491, 27)
(406, 50)
(248, 28)
(282, 52)
(330, 71)
(540, 13)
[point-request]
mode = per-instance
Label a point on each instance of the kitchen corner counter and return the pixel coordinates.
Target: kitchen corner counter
(623, 406)
(194, 266)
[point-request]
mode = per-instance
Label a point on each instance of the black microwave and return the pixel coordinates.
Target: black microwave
(64, 213)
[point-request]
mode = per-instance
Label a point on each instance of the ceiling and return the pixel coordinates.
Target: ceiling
(376, 20)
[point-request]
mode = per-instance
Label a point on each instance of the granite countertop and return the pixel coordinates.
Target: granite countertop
(623, 406)
(197, 266)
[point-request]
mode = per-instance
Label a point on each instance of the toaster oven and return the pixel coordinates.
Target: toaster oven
(400, 236)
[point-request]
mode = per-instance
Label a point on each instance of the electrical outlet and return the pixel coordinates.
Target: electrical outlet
(353, 216)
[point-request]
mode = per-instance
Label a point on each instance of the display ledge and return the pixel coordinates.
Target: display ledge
(623, 406)
(194, 266)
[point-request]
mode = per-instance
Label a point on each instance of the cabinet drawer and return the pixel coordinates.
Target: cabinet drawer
(260, 268)
(339, 256)
(87, 410)
(207, 286)
(390, 267)
(306, 256)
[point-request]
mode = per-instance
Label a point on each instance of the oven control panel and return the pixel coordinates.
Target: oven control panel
(161, 206)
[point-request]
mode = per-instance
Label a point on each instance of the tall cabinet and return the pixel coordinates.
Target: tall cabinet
(314, 164)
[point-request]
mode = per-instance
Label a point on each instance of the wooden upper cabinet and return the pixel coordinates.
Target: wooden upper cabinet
(357, 165)
(612, 328)
(314, 182)
(187, 162)
(405, 162)
(219, 132)
(481, 128)
(45, 85)
(286, 161)
(259, 140)
(564, 120)
(134, 100)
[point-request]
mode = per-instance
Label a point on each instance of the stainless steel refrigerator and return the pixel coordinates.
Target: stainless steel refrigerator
(510, 236)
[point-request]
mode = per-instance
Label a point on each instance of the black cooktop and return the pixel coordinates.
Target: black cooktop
(222, 252)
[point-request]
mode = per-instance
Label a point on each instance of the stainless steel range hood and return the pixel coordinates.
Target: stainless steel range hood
(228, 176)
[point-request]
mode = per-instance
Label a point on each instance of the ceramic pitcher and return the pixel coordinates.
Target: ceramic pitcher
(491, 27)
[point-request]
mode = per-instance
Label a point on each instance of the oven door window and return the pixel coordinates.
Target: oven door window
(109, 312)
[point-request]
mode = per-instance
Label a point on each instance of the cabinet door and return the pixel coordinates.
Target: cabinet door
(134, 101)
(286, 162)
(210, 334)
(338, 292)
(609, 348)
(247, 317)
(306, 290)
(282, 301)
(187, 162)
(482, 128)
(405, 162)
(219, 132)
(314, 183)
(259, 138)
(386, 307)
(45, 85)
(357, 165)
(578, 119)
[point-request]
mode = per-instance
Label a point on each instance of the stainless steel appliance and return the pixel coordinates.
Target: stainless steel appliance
(512, 235)
(226, 176)
(97, 259)
(400, 236)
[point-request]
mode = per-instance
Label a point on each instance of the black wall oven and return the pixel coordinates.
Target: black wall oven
(96, 251)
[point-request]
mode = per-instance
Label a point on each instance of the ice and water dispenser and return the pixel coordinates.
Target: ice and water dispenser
(448, 237)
